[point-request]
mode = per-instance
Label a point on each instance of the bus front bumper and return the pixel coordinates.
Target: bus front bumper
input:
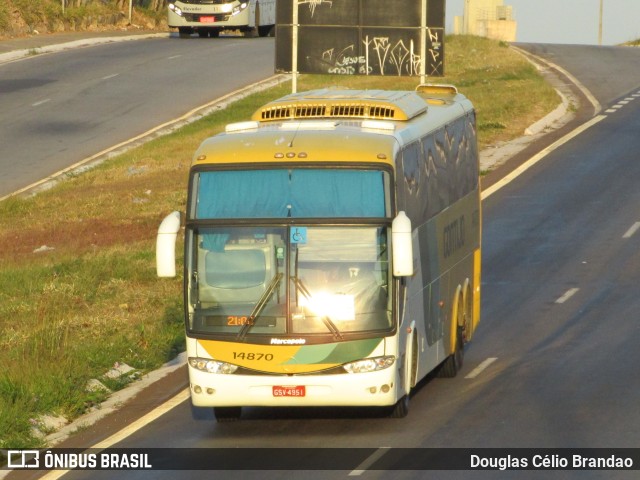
(221, 22)
(378, 388)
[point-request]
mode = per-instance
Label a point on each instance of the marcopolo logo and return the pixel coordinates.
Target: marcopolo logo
(288, 341)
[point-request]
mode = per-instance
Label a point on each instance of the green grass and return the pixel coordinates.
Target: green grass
(68, 313)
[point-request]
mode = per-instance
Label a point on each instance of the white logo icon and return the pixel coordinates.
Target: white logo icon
(24, 459)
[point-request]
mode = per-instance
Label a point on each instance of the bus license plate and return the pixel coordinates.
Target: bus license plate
(207, 19)
(295, 391)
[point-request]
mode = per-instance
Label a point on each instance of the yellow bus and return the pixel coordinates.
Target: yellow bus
(332, 250)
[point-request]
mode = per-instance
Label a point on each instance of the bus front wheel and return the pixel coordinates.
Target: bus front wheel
(401, 408)
(227, 414)
(265, 30)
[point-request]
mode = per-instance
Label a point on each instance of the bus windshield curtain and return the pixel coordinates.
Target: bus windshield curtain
(337, 193)
(297, 193)
(243, 194)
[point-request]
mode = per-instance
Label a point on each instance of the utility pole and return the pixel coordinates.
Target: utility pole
(600, 25)
(423, 43)
(62, 7)
(294, 47)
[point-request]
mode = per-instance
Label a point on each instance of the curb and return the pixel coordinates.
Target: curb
(116, 400)
(59, 47)
(550, 119)
(494, 156)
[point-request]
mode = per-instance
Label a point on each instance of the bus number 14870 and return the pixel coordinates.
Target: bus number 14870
(253, 356)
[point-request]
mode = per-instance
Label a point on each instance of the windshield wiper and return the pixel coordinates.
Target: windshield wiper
(262, 301)
(325, 319)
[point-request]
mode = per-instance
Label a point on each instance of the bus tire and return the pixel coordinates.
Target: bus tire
(227, 414)
(401, 408)
(453, 363)
(185, 32)
(265, 30)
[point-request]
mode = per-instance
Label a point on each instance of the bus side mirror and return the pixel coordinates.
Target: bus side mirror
(166, 245)
(402, 253)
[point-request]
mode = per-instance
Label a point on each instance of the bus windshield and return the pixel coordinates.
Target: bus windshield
(289, 280)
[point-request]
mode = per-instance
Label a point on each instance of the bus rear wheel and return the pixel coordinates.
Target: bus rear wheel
(453, 363)
(227, 414)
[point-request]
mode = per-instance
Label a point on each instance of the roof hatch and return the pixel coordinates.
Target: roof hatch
(329, 103)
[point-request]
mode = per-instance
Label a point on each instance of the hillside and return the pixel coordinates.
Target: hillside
(20, 18)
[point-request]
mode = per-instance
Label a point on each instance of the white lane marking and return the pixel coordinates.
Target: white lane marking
(110, 76)
(623, 102)
(37, 104)
(174, 56)
(144, 420)
(481, 368)
(634, 228)
(539, 156)
(610, 110)
(131, 428)
(629, 99)
(570, 293)
(360, 469)
(617, 107)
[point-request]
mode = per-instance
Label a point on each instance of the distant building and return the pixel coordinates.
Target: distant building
(487, 18)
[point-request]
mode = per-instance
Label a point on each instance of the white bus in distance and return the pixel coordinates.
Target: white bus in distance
(208, 18)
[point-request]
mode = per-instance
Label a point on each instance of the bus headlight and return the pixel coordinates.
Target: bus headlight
(238, 8)
(212, 366)
(175, 9)
(370, 364)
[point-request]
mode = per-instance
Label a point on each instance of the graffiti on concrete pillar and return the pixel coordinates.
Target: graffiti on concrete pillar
(362, 37)
(313, 4)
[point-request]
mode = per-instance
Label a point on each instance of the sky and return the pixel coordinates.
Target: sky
(567, 21)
